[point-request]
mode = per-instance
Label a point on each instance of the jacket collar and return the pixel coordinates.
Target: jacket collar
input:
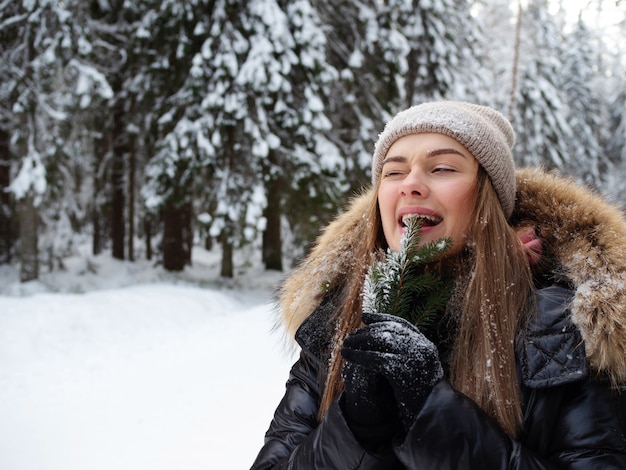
(550, 350)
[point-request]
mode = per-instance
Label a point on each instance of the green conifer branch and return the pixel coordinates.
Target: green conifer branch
(398, 285)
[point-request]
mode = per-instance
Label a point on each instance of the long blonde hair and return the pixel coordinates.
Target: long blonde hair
(495, 297)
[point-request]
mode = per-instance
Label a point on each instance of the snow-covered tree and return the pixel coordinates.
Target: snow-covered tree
(540, 111)
(615, 148)
(8, 229)
(73, 180)
(203, 153)
(390, 55)
(302, 164)
(613, 59)
(369, 84)
(253, 125)
(498, 19)
(46, 71)
(616, 144)
(9, 35)
(444, 55)
(580, 82)
(163, 43)
(32, 101)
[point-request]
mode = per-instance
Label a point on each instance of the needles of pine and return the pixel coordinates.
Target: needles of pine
(400, 284)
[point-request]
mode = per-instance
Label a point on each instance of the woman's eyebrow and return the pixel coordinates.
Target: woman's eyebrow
(430, 153)
(397, 159)
(444, 151)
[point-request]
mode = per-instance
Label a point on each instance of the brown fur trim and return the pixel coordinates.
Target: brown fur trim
(332, 258)
(587, 237)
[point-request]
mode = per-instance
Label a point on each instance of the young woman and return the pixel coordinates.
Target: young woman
(526, 367)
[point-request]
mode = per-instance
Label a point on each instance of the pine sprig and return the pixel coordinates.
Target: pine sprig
(398, 285)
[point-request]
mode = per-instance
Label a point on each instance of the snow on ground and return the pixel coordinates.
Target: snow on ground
(135, 368)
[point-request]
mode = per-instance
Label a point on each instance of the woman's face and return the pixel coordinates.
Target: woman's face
(431, 175)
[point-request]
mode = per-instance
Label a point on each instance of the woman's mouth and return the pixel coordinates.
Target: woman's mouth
(427, 220)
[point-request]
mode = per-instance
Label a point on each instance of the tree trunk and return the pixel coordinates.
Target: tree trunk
(96, 239)
(147, 231)
(516, 51)
(132, 161)
(7, 228)
(29, 254)
(118, 201)
(176, 249)
(272, 241)
(101, 150)
(228, 268)
(188, 231)
(208, 243)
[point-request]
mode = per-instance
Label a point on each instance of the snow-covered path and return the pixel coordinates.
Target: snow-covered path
(154, 376)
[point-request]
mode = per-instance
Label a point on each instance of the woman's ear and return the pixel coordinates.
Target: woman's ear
(531, 244)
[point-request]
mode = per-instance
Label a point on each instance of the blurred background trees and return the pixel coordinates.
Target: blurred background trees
(144, 128)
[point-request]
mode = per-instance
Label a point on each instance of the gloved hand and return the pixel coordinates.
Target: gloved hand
(369, 405)
(392, 347)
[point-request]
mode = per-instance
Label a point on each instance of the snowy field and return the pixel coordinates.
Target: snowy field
(137, 369)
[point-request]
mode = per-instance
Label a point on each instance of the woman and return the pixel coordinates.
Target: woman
(526, 367)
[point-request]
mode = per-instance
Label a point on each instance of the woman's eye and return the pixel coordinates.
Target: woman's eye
(389, 173)
(443, 169)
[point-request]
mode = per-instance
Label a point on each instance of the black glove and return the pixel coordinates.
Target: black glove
(390, 346)
(369, 406)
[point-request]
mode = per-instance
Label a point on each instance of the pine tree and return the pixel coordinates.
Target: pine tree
(9, 41)
(167, 40)
(498, 19)
(205, 154)
(399, 285)
(540, 113)
(290, 112)
(248, 127)
(615, 147)
(616, 144)
(365, 52)
(42, 69)
(585, 113)
(444, 55)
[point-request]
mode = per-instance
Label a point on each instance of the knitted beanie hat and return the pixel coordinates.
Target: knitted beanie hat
(483, 131)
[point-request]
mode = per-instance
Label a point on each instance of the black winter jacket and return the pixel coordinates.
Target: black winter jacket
(570, 420)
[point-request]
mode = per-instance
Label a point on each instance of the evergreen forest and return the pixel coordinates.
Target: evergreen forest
(142, 128)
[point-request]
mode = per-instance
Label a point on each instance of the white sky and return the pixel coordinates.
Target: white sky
(603, 16)
(609, 13)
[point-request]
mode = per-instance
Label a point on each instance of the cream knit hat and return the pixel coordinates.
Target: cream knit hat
(483, 131)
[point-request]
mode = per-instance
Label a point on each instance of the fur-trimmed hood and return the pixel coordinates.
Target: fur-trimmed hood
(585, 236)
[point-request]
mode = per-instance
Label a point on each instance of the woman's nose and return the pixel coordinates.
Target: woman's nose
(414, 185)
